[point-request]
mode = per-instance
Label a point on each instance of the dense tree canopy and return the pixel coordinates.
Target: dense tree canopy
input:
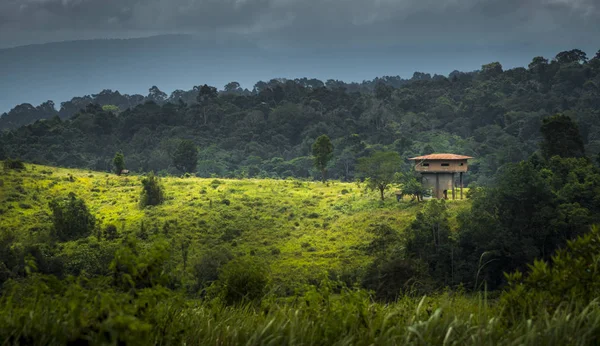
(493, 114)
(561, 137)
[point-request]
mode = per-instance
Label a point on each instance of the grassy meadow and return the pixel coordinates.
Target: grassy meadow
(303, 229)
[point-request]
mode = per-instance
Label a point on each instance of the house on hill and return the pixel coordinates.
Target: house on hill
(439, 173)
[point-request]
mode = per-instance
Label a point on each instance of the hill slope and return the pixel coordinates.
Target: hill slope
(304, 229)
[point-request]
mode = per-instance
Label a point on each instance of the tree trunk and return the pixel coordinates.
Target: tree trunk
(323, 174)
(381, 189)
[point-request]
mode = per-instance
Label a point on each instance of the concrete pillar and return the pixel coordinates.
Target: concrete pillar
(461, 185)
(453, 193)
(437, 186)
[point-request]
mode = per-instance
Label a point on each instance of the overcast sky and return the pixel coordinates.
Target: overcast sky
(308, 23)
(351, 40)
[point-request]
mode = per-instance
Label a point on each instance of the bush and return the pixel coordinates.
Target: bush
(110, 232)
(14, 164)
(573, 276)
(206, 268)
(71, 218)
(231, 234)
(135, 268)
(152, 191)
(91, 259)
(390, 278)
(242, 280)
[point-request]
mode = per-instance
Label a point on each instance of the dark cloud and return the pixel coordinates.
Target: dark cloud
(307, 22)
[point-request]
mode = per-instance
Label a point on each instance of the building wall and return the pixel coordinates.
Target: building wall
(441, 166)
(445, 183)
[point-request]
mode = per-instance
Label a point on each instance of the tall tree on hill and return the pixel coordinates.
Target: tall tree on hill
(119, 163)
(322, 151)
(206, 95)
(561, 137)
(185, 157)
(380, 168)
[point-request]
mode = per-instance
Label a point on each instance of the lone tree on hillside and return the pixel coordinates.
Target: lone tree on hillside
(561, 137)
(152, 191)
(185, 157)
(71, 218)
(119, 163)
(322, 151)
(380, 168)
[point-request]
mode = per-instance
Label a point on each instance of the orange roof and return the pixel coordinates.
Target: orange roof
(441, 157)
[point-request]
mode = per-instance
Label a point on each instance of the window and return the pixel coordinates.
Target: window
(425, 165)
(445, 165)
(462, 164)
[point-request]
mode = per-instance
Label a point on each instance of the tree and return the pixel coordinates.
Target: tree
(232, 87)
(429, 240)
(380, 168)
(411, 186)
(322, 150)
(185, 156)
(71, 218)
(492, 69)
(119, 163)
(206, 93)
(561, 137)
(571, 56)
(538, 64)
(152, 191)
(157, 95)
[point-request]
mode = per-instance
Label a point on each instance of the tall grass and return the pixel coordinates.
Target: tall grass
(37, 314)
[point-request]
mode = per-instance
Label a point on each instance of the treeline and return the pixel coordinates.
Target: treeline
(492, 114)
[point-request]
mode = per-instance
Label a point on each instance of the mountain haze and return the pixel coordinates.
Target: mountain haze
(59, 71)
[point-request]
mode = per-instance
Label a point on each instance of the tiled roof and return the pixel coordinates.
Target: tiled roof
(441, 157)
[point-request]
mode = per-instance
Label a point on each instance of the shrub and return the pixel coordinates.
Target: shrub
(25, 206)
(242, 280)
(71, 218)
(573, 276)
(206, 268)
(133, 268)
(390, 278)
(92, 258)
(14, 164)
(344, 192)
(152, 191)
(225, 201)
(110, 232)
(231, 234)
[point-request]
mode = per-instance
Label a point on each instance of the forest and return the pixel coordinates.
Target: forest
(269, 217)
(490, 114)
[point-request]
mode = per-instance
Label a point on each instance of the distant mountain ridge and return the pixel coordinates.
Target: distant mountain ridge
(58, 71)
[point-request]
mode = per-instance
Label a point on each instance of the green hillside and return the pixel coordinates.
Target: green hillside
(290, 262)
(303, 229)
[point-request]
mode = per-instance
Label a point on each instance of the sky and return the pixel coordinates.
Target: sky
(305, 23)
(344, 39)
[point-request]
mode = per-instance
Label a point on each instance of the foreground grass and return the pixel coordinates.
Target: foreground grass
(81, 315)
(303, 229)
